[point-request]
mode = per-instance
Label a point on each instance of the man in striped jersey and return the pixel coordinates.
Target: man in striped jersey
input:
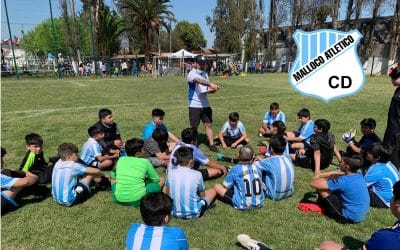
(186, 187)
(277, 171)
(67, 189)
(155, 209)
(243, 188)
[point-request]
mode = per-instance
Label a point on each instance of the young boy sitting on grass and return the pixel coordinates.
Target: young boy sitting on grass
(189, 139)
(134, 176)
(91, 153)
(67, 188)
(157, 122)
(277, 171)
(232, 133)
(300, 139)
(34, 161)
(274, 114)
(380, 176)
(112, 135)
(186, 187)
(11, 186)
(243, 187)
(155, 209)
(156, 148)
(343, 194)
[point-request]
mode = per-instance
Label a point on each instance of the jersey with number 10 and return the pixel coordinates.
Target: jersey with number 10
(248, 187)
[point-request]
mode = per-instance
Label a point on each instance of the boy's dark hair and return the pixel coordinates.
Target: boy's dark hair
(368, 122)
(323, 124)
(183, 155)
(33, 139)
(304, 113)
(104, 112)
(274, 105)
(3, 152)
(380, 152)
(94, 130)
(133, 146)
(189, 135)
(234, 116)
(160, 135)
(154, 207)
(246, 153)
(280, 126)
(355, 162)
(278, 144)
(66, 149)
(157, 112)
(396, 192)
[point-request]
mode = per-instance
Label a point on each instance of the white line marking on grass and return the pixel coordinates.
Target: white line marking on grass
(40, 112)
(78, 83)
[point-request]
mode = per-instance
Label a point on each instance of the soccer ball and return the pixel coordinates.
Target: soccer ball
(348, 136)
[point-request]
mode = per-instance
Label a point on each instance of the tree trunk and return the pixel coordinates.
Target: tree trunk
(394, 54)
(335, 13)
(349, 12)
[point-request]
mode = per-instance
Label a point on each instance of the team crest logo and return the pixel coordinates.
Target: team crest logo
(327, 65)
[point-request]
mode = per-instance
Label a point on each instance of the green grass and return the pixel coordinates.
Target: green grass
(62, 110)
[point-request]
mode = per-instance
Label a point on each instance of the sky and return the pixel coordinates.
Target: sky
(26, 14)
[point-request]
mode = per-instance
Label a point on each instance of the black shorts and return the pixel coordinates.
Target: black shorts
(333, 207)
(82, 193)
(197, 114)
(228, 196)
(230, 140)
(375, 201)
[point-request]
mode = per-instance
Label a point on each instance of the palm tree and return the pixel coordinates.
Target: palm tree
(111, 27)
(147, 16)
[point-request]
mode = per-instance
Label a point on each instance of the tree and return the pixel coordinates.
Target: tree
(146, 16)
(191, 35)
(111, 28)
(394, 54)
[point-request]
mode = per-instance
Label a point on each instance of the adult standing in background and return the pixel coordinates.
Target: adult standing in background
(199, 107)
(392, 133)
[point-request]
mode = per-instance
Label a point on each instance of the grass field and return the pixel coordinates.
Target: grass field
(62, 110)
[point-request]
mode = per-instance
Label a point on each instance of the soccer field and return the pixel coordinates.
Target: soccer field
(62, 110)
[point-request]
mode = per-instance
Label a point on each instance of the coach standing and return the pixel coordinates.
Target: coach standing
(199, 107)
(392, 133)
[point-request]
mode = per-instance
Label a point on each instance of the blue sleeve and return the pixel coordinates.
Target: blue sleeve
(267, 116)
(200, 156)
(241, 127)
(225, 127)
(182, 241)
(130, 236)
(147, 131)
(308, 130)
(336, 184)
(373, 175)
(79, 169)
(201, 183)
(283, 118)
(230, 178)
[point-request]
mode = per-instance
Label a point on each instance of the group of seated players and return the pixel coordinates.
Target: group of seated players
(365, 176)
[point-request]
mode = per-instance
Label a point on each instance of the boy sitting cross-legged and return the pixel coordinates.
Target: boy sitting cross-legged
(91, 153)
(134, 176)
(67, 188)
(186, 187)
(243, 187)
(277, 170)
(153, 233)
(232, 133)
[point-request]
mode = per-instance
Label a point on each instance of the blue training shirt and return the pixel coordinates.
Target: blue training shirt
(380, 178)
(278, 176)
(143, 237)
(197, 94)
(247, 186)
(149, 129)
(352, 191)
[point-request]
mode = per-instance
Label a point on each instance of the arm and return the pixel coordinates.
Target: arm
(173, 137)
(242, 138)
(319, 184)
(317, 161)
(107, 157)
(152, 174)
(354, 147)
(29, 180)
(337, 153)
(221, 138)
(94, 171)
(162, 156)
(205, 82)
(213, 164)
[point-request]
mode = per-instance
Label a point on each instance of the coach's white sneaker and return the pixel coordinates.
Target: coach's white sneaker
(251, 244)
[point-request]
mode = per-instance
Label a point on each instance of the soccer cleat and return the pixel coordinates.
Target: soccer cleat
(349, 136)
(213, 148)
(251, 244)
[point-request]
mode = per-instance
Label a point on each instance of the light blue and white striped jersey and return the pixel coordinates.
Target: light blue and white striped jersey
(184, 186)
(197, 94)
(7, 182)
(64, 181)
(269, 118)
(380, 178)
(90, 150)
(247, 184)
(285, 153)
(235, 132)
(278, 175)
(306, 130)
(199, 157)
(143, 237)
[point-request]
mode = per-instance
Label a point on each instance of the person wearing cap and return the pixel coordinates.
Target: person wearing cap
(199, 107)
(343, 194)
(392, 133)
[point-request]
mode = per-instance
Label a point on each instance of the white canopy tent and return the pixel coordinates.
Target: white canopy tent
(182, 53)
